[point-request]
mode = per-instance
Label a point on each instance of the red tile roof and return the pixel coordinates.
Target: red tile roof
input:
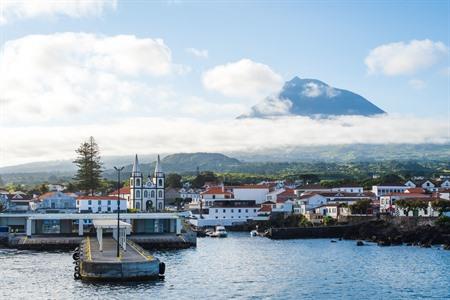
(217, 190)
(98, 198)
(123, 191)
(415, 190)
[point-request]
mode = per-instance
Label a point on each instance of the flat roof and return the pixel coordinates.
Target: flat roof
(110, 223)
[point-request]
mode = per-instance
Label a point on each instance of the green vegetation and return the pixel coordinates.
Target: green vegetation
(173, 180)
(414, 205)
(89, 167)
(443, 221)
(441, 206)
(360, 207)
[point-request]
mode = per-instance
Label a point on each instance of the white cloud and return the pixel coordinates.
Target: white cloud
(405, 58)
(201, 53)
(313, 89)
(270, 106)
(50, 76)
(244, 78)
(167, 135)
(11, 10)
(417, 84)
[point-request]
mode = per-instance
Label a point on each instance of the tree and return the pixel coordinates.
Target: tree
(173, 180)
(441, 205)
(43, 188)
(89, 166)
(360, 207)
(200, 180)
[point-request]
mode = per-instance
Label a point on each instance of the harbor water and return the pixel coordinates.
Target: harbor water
(244, 267)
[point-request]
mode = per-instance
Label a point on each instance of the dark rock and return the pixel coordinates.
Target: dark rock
(359, 243)
(384, 243)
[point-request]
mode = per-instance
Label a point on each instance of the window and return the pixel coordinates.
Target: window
(160, 183)
(138, 182)
(99, 202)
(224, 211)
(145, 194)
(254, 210)
(160, 206)
(217, 217)
(246, 210)
(239, 210)
(138, 205)
(152, 194)
(214, 196)
(217, 210)
(160, 194)
(138, 194)
(89, 202)
(232, 210)
(109, 208)
(109, 202)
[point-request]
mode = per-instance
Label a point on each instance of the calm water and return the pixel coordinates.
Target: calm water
(247, 268)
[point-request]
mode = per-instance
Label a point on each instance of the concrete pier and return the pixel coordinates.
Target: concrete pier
(133, 264)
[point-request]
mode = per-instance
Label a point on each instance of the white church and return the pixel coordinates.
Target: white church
(148, 195)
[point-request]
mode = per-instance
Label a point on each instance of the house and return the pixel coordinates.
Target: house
(388, 188)
(308, 201)
(345, 197)
(100, 204)
(281, 195)
(19, 201)
(286, 207)
(423, 183)
(55, 201)
(55, 187)
(226, 213)
(331, 210)
(190, 193)
(255, 192)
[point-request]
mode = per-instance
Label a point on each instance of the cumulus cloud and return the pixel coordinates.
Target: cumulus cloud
(270, 106)
(405, 58)
(201, 53)
(244, 78)
(168, 135)
(314, 89)
(48, 76)
(417, 84)
(23, 9)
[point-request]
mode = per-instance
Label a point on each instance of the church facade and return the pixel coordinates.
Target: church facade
(148, 194)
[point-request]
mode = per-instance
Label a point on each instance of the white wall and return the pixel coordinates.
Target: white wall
(259, 195)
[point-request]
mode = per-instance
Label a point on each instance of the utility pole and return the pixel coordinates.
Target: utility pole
(118, 208)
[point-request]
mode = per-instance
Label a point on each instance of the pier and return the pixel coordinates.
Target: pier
(114, 258)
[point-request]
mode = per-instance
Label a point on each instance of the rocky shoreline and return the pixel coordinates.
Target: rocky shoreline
(382, 232)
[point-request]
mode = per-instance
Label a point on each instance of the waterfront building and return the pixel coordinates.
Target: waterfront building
(387, 202)
(100, 204)
(226, 213)
(19, 202)
(148, 195)
(81, 223)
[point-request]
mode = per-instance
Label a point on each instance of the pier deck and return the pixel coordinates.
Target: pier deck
(109, 253)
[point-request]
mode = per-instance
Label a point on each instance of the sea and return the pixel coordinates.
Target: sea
(244, 267)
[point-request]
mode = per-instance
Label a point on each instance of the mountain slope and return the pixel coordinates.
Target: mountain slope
(311, 97)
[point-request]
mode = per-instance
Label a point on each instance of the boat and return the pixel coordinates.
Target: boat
(219, 232)
(254, 233)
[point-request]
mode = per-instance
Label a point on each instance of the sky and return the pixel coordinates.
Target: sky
(172, 76)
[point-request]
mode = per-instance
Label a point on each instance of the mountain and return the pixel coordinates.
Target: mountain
(312, 97)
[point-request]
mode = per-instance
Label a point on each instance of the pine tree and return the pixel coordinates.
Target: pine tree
(89, 166)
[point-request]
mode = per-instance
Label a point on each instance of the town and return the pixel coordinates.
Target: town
(153, 208)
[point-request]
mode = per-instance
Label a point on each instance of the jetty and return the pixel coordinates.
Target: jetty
(96, 259)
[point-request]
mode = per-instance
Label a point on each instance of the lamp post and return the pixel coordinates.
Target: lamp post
(118, 208)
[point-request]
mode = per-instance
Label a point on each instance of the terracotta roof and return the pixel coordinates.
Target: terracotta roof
(123, 191)
(98, 198)
(415, 190)
(250, 186)
(216, 190)
(266, 208)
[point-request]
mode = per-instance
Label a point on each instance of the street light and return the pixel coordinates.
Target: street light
(118, 207)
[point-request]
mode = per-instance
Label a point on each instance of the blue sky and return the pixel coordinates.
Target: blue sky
(326, 40)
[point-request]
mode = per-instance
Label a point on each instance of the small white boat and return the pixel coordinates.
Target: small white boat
(254, 233)
(219, 232)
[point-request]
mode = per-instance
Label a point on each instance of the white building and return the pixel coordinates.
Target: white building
(384, 189)
(55, 201)
(55, 187)
(149, 195)
(227, 213)
(348, 189)
(255, 192)
(100, 204)
(190, 193)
